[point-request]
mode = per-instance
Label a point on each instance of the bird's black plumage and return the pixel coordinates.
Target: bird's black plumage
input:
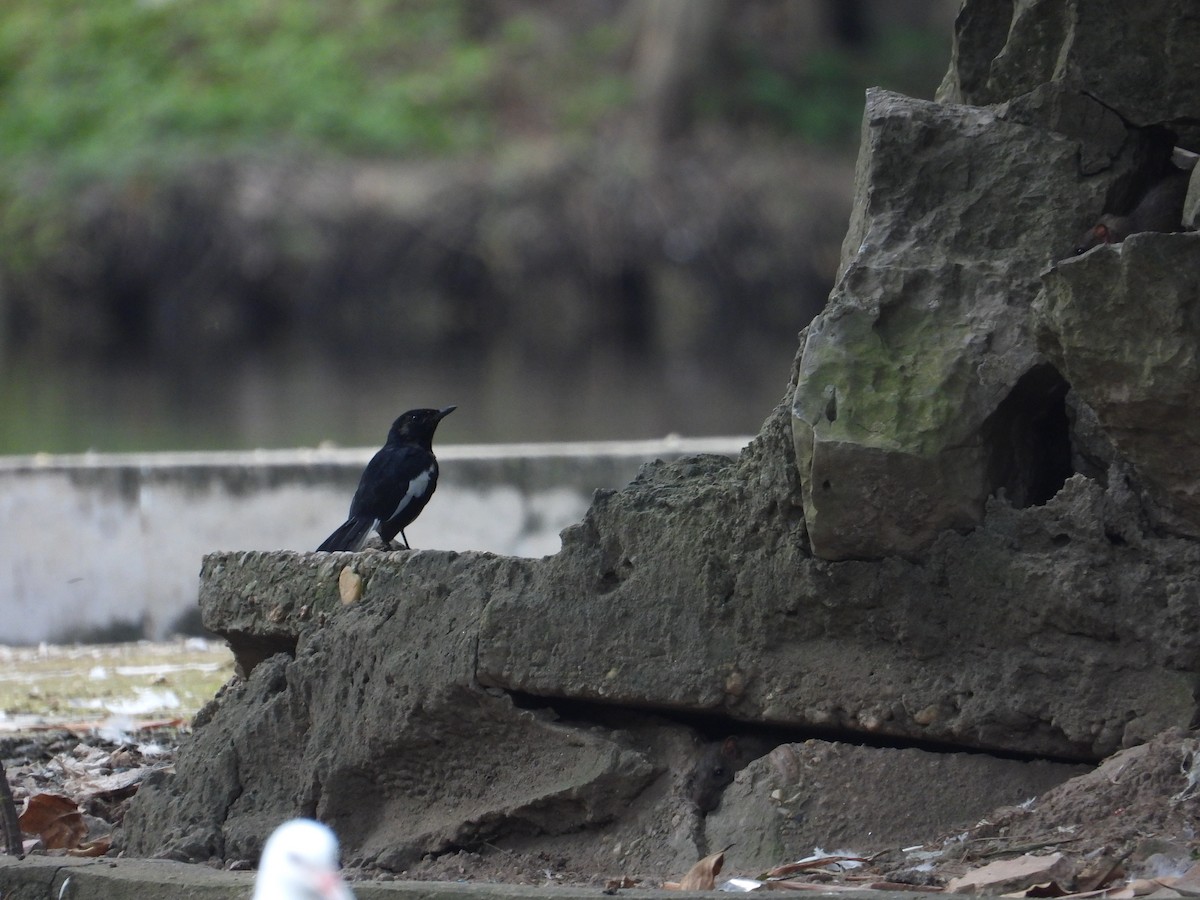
(396, 484)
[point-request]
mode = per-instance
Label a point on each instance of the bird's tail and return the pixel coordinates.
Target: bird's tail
(350, 535)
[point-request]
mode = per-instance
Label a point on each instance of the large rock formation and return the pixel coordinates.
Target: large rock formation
(962, 530)
(922, 389)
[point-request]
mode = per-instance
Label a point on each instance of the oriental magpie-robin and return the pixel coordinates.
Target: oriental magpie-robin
(396, 484)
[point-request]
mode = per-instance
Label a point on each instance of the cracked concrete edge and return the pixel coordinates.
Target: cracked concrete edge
(64, 878)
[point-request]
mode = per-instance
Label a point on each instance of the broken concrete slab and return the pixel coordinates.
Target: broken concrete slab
(401, 748)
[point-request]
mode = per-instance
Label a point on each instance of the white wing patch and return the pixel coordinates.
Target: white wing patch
(416, 488)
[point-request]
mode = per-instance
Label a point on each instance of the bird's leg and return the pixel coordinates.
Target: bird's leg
(404, 538)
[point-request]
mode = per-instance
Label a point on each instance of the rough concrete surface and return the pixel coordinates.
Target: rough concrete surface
(58, 878)
(807, 795)
(468, 698)
(132, 569)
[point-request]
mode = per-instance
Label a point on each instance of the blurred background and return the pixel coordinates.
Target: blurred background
(232, 224)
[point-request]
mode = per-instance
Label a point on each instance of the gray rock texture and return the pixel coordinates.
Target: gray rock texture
(922, 390)
(1121, 325)
(970, 525)
(376, 722)
(466, 698)
(926, 332)
(1139, 60)
(802, 796)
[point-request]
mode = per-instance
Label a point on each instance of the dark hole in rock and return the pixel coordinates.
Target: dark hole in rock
(831, 409)
(1028, 439)
(715, 726)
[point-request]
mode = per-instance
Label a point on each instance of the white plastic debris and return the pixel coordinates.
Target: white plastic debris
(740, 885)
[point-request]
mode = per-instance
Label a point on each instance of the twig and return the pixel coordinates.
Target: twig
(9, 824)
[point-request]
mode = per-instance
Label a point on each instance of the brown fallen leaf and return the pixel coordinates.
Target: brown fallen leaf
(807, 864)
(702, 876)
(98, 847)
(350, 586)
(55, 819)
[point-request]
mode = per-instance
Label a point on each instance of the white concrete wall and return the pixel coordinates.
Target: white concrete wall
(91, 541)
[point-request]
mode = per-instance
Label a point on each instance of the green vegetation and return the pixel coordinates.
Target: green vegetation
(107, 84)
(115, 80)
(106, 107)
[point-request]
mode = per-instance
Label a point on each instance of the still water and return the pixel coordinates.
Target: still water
(295, 400)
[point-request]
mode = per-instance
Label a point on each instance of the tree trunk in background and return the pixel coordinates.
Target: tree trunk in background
(674, 40)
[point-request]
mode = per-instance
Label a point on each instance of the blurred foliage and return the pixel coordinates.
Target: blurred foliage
(109, 84)
(113, 80)
(103, 103)
(820, 97)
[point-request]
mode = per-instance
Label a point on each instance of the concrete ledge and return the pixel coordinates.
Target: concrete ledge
(60, 878)
(104, 541)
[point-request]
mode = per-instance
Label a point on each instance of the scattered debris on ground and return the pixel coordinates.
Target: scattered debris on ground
(1129, 828)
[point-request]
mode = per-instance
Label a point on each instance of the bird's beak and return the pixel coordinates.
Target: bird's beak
(445, 411)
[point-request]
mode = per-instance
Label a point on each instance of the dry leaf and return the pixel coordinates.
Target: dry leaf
(350, 586)
(98, 847)
(55, 819)
(807, 864)
(703, 875)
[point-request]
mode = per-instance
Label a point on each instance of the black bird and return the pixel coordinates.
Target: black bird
(396, 484)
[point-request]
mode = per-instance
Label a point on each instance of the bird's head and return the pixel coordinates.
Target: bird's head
(418, 425)
(300, 862)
